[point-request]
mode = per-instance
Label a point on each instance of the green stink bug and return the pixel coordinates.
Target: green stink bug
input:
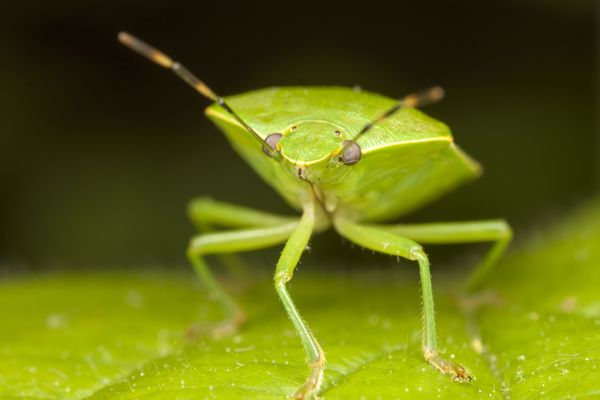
(349, 160)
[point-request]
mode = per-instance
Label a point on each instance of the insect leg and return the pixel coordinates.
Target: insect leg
(223, 243)
(204, 210)
(285, 269)
(207, 214)
(497, 231)
(384, 241)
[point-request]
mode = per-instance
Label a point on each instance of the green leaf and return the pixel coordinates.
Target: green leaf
(120, 335)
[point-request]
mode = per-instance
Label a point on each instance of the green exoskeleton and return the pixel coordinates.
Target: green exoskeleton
(348, 160)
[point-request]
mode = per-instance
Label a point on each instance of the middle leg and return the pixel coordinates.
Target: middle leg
(208, 215)
(496, 231)
(223, 243)
(384, 241)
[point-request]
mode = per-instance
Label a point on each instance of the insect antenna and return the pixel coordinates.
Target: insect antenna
(165, 61)
(417, 99)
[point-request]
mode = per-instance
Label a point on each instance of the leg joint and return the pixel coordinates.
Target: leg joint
(506, 231)
(199, 204)
(281, 278)
(501, 230)
(196, 247)
(416, 252)
(319, 362)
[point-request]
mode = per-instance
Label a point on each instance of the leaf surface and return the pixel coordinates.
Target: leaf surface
(534, 333)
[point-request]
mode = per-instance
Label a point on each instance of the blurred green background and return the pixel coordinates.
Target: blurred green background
(100, 150)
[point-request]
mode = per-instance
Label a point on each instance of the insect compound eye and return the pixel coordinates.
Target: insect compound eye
(272, 141)
(352, 154)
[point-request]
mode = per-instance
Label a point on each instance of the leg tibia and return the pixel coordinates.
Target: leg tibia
(285, 269)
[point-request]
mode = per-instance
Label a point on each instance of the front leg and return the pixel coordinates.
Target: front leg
(285, 269)
(381, 240)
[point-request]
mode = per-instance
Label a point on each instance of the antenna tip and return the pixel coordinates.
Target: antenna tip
(145, 49)
(437, 93)
(123, 37)
(427, 96)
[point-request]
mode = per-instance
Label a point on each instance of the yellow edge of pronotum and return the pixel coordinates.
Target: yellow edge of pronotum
(471, 163)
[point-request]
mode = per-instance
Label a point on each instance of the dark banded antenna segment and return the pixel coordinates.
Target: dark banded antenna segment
(165, 61)
(419, 99)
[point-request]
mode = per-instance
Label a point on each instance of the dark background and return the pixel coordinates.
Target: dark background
(100, 150)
